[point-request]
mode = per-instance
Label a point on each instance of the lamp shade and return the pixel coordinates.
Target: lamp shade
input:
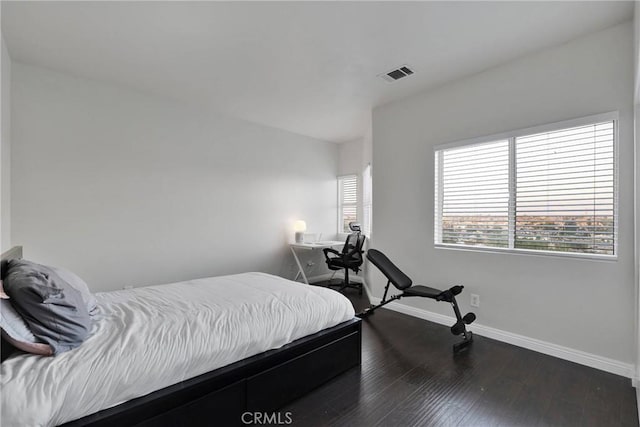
(300, 227)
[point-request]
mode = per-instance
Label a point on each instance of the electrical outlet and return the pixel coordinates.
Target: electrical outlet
(475, 300)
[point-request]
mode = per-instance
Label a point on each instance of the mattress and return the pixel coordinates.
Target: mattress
(148, 338)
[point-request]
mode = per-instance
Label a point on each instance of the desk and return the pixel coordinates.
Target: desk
(310, 247)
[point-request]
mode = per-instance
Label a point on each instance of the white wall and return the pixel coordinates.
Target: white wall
(637, 239)
(5, 152)
(636, 63)
(581, 304)
(124, 188)
(636, 50)
(350, 157)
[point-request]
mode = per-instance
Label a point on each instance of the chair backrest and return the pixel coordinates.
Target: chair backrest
(389, 269)
(354, 244)
(355, 226)
(350, 243)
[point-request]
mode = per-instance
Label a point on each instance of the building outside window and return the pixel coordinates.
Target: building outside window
(548, 189)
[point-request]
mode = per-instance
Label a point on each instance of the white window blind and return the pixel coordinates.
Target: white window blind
(546, 191)
(474, 195)
(367, 201)
(347, 202)
(565, 190)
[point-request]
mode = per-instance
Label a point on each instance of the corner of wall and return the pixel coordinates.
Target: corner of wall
(5, 150)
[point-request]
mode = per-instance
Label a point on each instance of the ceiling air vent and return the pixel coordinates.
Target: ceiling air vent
(397, 74)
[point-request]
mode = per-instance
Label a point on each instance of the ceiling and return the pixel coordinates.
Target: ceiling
(306, 67)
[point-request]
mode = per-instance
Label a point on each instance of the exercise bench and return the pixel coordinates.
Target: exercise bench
(403, 283)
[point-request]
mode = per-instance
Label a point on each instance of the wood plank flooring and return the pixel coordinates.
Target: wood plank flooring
(410, 377)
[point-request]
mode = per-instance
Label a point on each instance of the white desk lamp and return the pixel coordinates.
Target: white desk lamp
(300, 227)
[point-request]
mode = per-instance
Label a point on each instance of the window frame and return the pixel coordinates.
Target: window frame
(341, 205)
(511, 136)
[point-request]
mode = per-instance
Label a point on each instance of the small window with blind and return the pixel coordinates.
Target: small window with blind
(347, 202)
(549, 189)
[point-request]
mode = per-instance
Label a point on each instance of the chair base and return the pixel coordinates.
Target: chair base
(342, 286)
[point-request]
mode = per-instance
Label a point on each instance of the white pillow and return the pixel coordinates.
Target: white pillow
(79, 285)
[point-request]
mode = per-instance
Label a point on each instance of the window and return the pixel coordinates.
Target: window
(347, 202)
(549, 189)
(367, 201)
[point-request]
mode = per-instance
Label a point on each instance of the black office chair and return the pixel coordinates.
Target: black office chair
(349, 259)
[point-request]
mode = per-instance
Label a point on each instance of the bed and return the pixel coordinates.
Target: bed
(188, 353)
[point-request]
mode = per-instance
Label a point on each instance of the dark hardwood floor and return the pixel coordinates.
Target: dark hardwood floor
(410, 377)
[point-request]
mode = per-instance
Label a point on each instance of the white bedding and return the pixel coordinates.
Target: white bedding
(148, 338)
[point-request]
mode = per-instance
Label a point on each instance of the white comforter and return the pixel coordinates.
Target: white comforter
(148, 338)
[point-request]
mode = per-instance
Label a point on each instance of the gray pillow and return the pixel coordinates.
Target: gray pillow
(54, 311)
(79, 285)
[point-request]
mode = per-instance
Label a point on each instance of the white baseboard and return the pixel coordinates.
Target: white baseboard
(367, 292)
(581, 357)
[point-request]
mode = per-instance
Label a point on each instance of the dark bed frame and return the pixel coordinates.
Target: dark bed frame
(262, 383)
